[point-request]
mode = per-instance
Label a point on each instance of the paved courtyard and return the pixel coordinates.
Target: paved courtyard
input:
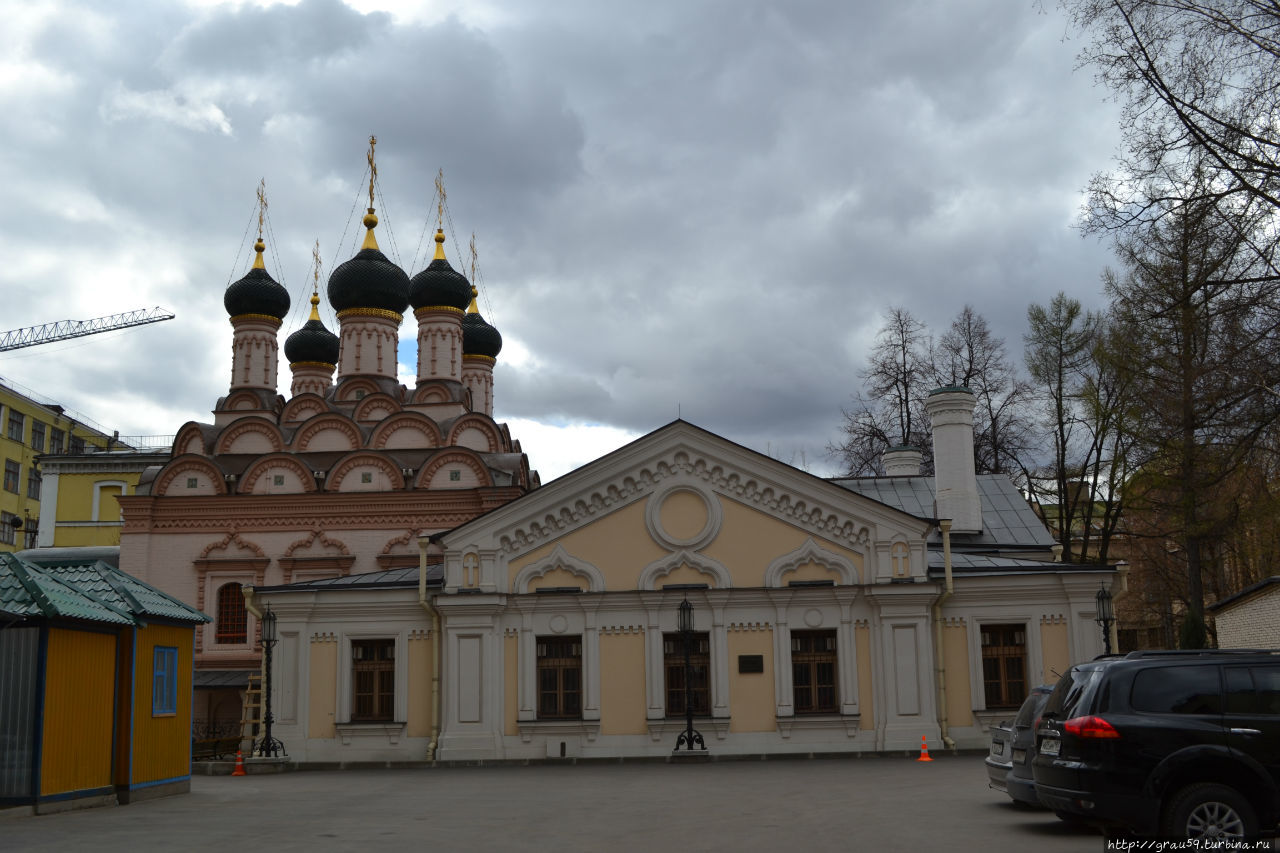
(868, 804)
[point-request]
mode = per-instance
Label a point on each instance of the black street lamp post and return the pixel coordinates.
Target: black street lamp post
(268, 746)
(689, 736)
(1106, 616)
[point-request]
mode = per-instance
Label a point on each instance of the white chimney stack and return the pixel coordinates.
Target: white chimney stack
(950, 410)
(902, 462)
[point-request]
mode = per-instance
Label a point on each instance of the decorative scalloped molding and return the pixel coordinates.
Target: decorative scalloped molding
(558, 559)
(810, 552)
(416, 421)
(231, 403)
(1053, 619)
(381, 400)
(324, 637)
(266, 463)
(750, 626)
(462, 455)
(711, 503)
(746, 489)
(358, 459)
(325, 541)
(410, 535)
(302, 406)
(223, 543)
(329, 420)
(420, 634)
(862, 623)
(349, 385)
(700, 562)
(183, 438)
(484, 423)
(511, 632)
(180, 466)
(622, 629)
(248, 425)
(955, 621)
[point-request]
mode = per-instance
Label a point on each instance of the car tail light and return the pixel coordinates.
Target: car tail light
(1090, 727)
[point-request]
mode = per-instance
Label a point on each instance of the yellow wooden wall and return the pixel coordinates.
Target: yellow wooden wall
(161, 744)
(79, 710)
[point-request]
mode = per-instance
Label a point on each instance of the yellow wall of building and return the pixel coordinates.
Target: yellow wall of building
(750, 540)
(511, 683)
(322, 696)
(752, 704)
(161, 744)
(955, 656)
(421, 666)
(79, 711)
(620, 546)
(76, 522)
(622, 696)
(866, 703)
(1055, 650)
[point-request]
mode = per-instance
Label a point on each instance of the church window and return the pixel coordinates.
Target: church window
(813, 672)
(455, 475)
(232, 619)
(559, 678)
(360, 394)
(12, 474)
(373, 680)
(366, 476)
(17, 421)
(192, 482)
(699, 673)
(277, 480)
(1004, 665)
(37, 436)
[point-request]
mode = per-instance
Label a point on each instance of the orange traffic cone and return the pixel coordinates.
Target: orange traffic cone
(239, 771)
(924, 749)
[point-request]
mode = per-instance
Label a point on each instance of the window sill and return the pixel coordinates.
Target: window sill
(667, 728)
(392, 731)
(820, 722)
(589, 729)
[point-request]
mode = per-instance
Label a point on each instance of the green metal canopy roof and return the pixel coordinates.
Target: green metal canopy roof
(89, 590)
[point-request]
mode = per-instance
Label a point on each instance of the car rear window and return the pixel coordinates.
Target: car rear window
(1177, 690)
(1074, 692)
(1031, 709)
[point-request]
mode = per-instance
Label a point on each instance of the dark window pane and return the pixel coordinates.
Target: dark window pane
(1178, 690)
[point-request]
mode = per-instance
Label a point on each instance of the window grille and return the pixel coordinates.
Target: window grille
(233, 624)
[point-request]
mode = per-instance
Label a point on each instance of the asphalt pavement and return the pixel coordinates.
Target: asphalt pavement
(857, 804)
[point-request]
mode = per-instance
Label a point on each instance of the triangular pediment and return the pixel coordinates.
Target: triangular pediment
(688, 465)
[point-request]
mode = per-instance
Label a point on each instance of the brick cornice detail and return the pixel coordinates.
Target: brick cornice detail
(326, 510)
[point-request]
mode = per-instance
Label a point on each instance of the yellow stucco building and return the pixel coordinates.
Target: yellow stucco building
(31, 431)
(828, 615)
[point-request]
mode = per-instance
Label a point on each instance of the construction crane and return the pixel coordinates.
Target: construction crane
(66, 329)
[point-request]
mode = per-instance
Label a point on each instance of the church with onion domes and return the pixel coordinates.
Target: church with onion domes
(338, 477)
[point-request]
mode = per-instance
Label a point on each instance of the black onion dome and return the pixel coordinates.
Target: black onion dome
(369, 280)
(313, 342)
(479, 338)
(440, 284)
(256, 293)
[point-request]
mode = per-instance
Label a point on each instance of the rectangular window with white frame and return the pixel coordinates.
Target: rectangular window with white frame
(559, 678)
(813, 672)
(37, 436)
(699, 673)
(373, 680)
(1004, 665)
(17, 422)
(12, 475)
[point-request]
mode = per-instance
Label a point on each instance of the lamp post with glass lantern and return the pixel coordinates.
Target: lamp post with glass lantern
(1106, 616)
(268, 746)
(689, 736)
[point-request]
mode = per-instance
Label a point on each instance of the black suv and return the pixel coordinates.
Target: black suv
(1174, 744)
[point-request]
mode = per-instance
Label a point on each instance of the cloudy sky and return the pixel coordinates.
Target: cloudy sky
(681, 208)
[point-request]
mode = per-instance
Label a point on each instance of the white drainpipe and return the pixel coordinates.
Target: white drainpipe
(945, 526)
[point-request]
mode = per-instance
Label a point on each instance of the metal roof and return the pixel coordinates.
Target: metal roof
(93, 591)
(1008, 521)
(210, 678)
(388, 579)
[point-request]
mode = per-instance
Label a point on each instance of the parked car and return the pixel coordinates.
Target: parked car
(1000, 756)
(1020, 785)
(1175, 744)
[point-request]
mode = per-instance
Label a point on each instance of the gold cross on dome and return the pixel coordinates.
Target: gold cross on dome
(262, 204)
(373, 168)
(440, 194)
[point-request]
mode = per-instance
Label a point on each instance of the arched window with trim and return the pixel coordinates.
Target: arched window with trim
(232, 618)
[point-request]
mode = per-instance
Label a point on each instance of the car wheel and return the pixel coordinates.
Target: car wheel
(1209, 810)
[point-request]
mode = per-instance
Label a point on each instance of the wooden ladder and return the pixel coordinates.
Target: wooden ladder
(251, 716)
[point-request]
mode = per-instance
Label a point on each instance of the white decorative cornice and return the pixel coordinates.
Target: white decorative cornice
(559, 559)
(626, 486)
(668, 564)
(809, 552)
